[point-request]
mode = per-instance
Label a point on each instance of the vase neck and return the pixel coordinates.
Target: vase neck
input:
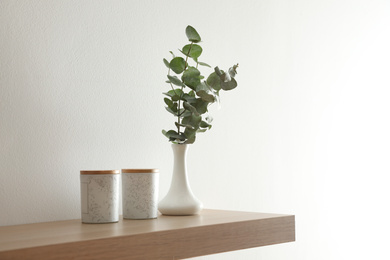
(180, 178)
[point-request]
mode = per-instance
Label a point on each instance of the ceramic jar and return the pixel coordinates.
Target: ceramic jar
(100, 196)
(140, 193)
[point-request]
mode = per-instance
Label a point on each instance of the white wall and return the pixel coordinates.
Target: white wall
(305, 133)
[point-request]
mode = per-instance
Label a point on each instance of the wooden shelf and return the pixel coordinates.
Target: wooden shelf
(167, 237)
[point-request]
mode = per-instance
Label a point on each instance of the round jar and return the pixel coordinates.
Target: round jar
(99, 196)
(140, 193)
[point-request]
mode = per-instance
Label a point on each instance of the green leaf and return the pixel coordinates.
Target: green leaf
(168, 102)
(214, 81)
(203, 124)
(171, 111)
(190, 140)
(186, 126)
(193, 120)
(186, 113)
(190, 99)
(204, 64)
(186, 119)
(166, 63)
(173, 135)
(202, 90)
(164, 133)
(172, 93)
(192, 34)
(190, 108)
(229, 85)
(174, 107)
(175, 80)
(177, 65)
(218, 71)
(192, 50)
(204, 96)
(191, 135)
(201, 106)
(201, 130)
(191, 77)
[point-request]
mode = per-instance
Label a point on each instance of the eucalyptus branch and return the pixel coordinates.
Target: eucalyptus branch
(200, 93)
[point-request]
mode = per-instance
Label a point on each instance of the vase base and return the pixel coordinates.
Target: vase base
(172, 210)
(179, 213)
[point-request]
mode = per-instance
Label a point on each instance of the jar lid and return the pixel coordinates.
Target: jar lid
(139, 170)
(100, 172)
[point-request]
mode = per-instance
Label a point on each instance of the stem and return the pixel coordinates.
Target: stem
(188, 54)
(178, 109)
(169, 70)
(178, 127)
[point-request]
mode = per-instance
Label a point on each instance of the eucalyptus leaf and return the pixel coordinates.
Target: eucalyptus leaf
(229, 85)
(203, 91)
(192, 50)
(201, 106)
(186, 119)
(186, 113)
(190, 108)
(214, 81)
(186, 126)
(174, 107)
(168, 102)
(175, 80)
(201, 130)
(192, 34)
(171, 111)
(177, 65)
(176, 92)
(174, 135)
(190, 99)
(193, 120)
(169, 133)
(218, 71)
(166, 63)
(191, 77)
(164, 132)
(204, 64)
(191, 135)
(203, 124)
(204, 96)
(191, 139)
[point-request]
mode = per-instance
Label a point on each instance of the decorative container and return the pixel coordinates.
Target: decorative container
(140, 193)
(180, 200)
(99, 196)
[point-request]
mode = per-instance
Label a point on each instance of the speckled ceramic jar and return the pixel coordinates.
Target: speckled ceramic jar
(140, 193)
(99, 196)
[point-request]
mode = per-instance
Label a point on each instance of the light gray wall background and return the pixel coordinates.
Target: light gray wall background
(305, 133)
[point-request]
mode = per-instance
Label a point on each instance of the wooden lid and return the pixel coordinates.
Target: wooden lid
(100, 172)
(139, 170)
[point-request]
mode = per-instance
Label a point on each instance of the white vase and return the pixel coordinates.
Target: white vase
(180, 200)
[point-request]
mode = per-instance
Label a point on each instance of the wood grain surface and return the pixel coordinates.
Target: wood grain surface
(167, 237)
